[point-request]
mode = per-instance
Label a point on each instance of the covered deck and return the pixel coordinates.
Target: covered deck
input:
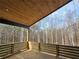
(39, 29)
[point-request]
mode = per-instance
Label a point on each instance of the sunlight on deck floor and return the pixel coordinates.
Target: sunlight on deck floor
(31, 55)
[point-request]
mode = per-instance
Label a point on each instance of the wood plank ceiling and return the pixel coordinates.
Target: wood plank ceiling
(27, 12)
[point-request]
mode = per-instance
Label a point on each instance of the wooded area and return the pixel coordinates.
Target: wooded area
(60, 27)
(12, 34)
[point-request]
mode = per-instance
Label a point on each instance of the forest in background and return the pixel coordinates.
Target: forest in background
(12, 34)
(61, 27)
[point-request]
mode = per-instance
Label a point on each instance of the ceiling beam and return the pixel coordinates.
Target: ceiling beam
(5, 21)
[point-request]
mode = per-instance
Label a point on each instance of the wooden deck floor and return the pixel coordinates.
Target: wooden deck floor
(31, 55)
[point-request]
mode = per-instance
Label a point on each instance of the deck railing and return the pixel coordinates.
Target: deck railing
(10, 49)
(61, 51)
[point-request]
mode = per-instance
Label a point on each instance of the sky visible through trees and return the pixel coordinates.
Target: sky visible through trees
(60, 27)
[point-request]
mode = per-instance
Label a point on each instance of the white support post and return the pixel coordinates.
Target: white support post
(27, 35)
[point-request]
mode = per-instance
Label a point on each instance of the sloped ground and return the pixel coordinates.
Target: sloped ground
(31, 55)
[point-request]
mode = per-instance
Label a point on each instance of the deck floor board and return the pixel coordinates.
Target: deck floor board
(31, 55)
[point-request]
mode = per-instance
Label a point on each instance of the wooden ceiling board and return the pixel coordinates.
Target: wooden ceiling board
(28, 12)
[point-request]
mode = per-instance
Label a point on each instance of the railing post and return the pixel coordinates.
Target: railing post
(57, 51)
(12, 48)
(39, 48)
(27, 45)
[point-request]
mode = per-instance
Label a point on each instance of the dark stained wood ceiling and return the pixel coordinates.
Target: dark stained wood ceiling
(27, 12)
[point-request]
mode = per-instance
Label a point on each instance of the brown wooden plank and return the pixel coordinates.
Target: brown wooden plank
(28, 12)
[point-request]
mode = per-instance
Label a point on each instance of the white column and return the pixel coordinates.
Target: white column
(27, 34)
